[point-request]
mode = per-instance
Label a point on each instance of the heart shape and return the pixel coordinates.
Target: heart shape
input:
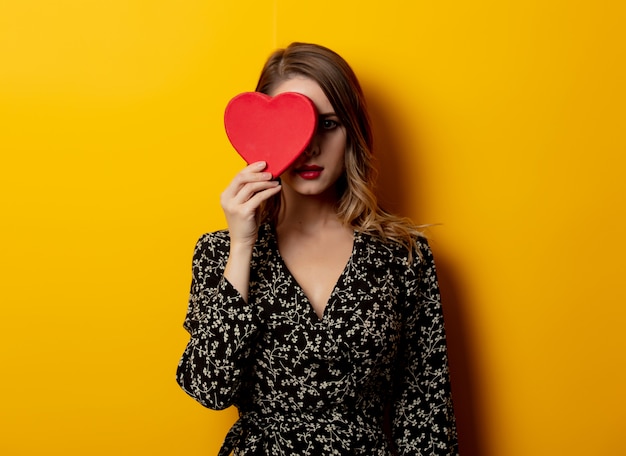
(271, 129)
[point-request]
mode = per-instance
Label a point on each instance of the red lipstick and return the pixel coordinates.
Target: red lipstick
(309, 172)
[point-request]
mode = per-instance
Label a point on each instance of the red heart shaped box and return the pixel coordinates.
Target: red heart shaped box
(271, 129)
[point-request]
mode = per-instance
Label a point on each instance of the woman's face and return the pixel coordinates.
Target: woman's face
(316, 171)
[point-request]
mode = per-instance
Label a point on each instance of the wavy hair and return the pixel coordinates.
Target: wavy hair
(357, 206)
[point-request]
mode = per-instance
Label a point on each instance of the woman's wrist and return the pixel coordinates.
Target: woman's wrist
(241, 248)
(237, 270)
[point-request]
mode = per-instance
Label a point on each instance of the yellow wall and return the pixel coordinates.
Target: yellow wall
(503, 121)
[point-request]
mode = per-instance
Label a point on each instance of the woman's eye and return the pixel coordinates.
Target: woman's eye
(328, 124)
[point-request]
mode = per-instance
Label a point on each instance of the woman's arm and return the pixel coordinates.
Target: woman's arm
(240, 202)
(220, 321)
(422, 414)
(221, 325)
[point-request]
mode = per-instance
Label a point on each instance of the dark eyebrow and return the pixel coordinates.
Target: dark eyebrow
(328, 114)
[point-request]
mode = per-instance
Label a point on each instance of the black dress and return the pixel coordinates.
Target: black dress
(369, 378)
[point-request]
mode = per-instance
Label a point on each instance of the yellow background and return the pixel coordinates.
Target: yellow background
(502, 121)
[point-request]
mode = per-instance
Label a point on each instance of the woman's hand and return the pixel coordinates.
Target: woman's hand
(241, 200)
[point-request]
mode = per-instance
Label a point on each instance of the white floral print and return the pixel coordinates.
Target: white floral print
(368, 378)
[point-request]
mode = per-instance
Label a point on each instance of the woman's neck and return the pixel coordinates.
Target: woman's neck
(307, 213)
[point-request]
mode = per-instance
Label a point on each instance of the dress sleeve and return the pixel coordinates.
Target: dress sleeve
(221, 326)
(423, 420)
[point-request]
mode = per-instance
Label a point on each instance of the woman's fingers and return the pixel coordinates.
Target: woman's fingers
(246, 184)
(251, 189)
(250, 174)
(261, 195)
(249, 196)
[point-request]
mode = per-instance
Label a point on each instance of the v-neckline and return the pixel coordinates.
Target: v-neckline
(311, 310)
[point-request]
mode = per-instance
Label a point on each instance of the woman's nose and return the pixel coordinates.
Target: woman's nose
(313, 148)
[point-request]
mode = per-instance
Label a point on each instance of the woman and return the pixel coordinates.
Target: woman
(317, 314)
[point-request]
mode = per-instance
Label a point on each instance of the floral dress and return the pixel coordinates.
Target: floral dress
(368, 378)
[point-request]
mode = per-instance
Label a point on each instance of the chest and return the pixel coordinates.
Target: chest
(316, 266)
(357, 336)
(364, 307)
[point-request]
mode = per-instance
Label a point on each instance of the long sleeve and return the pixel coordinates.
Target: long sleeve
(221, 325)
(423, 420)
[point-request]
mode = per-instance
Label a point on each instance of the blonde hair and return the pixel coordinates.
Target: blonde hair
(357, 206)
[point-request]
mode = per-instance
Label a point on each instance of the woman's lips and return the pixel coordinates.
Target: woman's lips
(309, 172)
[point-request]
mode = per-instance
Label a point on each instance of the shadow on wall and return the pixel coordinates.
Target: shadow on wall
(463, 363)
(400, 191)
(394, 178)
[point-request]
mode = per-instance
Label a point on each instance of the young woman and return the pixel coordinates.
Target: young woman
(317, 314)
